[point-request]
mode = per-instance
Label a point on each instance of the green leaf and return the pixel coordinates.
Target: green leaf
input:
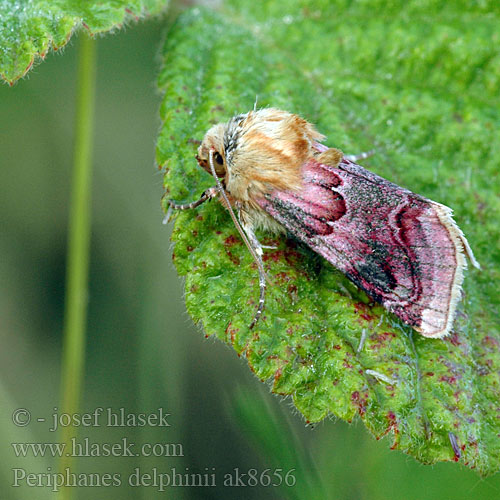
(420, 82)
(30, 28)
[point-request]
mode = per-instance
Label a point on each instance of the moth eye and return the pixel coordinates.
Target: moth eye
(218, 158)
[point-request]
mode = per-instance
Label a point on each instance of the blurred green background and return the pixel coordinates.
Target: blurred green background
(143, 352)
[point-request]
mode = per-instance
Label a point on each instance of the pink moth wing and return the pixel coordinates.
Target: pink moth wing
(403, 250)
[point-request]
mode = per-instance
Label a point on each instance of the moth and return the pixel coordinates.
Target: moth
(405, 251)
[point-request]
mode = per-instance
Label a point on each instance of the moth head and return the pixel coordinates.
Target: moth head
(213, 140)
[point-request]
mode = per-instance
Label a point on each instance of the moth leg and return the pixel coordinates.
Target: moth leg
(207, 195)
(172, 205)
(361, 156)
(257, 248)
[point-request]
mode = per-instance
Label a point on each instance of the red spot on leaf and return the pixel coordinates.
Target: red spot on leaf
(231, 332)
(388, 335)
(379, 339)
(359, 401)
(233, 258)
(337, 347)
(491, 341)
(364, 311)
(450, 379)
(128, 11)
(288, 254)
(473, 443)
(392, 425)
(273, 256)
(430, 374)
(230, 241)
(395, 444)
(282, 276)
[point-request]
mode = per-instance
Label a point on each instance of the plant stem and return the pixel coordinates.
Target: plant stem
(78, 246)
